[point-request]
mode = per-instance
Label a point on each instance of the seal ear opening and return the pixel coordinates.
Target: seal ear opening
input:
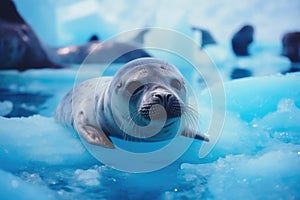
(95, 136)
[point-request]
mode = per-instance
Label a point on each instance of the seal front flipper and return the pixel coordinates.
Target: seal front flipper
(194, 134)
(94, 136)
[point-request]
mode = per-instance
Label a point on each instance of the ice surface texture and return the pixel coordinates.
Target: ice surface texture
(257, 156)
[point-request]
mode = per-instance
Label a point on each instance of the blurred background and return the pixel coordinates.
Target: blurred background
(67, 22)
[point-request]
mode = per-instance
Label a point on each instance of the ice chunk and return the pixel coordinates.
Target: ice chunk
(273, 174)
(264, 64)
(283, 124)
(12, 187)
(39, 140)
(253, 97)
(5, 107)
(88, 177)
(260, 64)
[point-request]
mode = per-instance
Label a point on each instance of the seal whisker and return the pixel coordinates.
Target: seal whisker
(190, 117)
(131, 124)
(190, 109)
(124, 128)
(135, 128)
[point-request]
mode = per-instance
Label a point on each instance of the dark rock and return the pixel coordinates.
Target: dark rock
(94, 38)
(240, 73)
(242, 39)
(207, 38)
(291, 46)
(20, 47)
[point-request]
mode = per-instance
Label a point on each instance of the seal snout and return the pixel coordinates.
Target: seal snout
(161, 105)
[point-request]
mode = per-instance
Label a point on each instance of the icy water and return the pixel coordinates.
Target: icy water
(256, 157)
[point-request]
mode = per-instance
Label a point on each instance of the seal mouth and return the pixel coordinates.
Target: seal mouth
(169, 124)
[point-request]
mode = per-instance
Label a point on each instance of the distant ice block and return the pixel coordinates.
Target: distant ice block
(60, 23)
(264, 64)
(5, 107)
(264, 61)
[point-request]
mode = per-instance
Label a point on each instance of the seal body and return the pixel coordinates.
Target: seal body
(77, 111)
(145, 101)
(20, 48)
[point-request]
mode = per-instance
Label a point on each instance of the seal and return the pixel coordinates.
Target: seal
(20, 48)
(145, 101)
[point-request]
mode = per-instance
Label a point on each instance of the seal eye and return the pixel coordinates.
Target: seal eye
(134, 86)
(176, 84)
(119, 85)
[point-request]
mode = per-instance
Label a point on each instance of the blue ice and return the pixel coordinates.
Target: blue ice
(257, 154)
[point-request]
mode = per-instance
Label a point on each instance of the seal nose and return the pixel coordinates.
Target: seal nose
(170, 102)
(158, 98)
(163, 99)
